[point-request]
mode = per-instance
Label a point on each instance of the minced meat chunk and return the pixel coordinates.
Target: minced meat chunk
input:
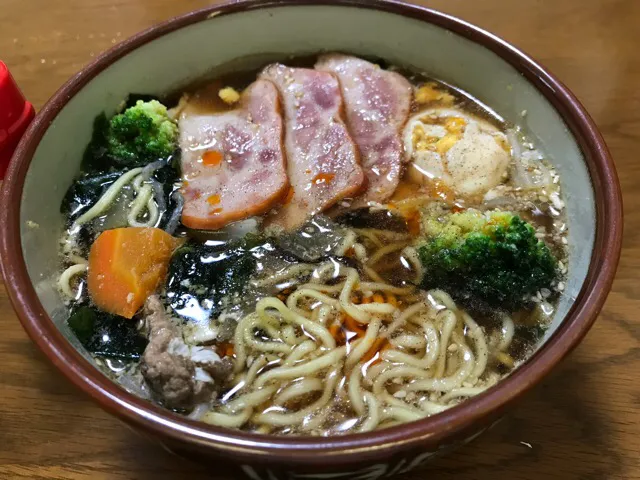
(180, 375)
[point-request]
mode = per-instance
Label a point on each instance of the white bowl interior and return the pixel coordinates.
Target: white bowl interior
(195, 51)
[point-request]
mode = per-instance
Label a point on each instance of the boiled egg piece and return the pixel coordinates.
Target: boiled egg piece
(466, 153)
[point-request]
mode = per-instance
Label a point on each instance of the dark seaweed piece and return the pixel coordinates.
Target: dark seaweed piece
(378, 219)
(96, 158)
(169, 176)
(525, 337)
(86, 191)
(530, 334)
(208, 273)
(106, 335)
(316, 239)
(90, 186)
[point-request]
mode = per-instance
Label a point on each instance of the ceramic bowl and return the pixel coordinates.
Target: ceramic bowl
(249, 33)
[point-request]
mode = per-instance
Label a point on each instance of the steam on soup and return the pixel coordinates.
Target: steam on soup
(324, 248)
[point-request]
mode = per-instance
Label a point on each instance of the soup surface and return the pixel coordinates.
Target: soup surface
(324, 247)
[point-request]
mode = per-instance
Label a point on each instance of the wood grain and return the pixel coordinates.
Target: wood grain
(582, 423)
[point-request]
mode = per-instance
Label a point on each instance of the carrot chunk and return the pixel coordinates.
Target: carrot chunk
(126, 265)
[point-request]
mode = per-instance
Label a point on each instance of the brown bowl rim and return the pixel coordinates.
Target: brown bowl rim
(310, 450)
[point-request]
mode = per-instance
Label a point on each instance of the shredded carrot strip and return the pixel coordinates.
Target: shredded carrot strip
(354, 326)
(366, 300)
(377, 345)
(392, 299)
(336, 332)
(378, 298)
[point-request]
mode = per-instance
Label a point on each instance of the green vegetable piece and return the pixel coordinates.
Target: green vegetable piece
(486, 261)
(141, 134)
(106, 335)
(208, 274)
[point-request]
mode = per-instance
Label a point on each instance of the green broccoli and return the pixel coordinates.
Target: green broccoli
(141, 133)
(486, 260)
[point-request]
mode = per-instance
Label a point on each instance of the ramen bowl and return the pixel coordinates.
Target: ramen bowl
(247, 33)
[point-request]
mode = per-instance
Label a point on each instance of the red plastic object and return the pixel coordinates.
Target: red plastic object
(15, 115)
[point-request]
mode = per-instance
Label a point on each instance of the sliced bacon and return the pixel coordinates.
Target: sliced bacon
(377, 106)
(233, 163)
(323, 161)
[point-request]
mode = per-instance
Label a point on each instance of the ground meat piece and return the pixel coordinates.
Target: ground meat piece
(220, 370)
(169, 374)
(180, 375)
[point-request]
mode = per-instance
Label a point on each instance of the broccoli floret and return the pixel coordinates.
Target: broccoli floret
(486, 260)
(141, 133)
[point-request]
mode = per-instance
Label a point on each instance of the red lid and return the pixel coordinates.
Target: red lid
(15, 115)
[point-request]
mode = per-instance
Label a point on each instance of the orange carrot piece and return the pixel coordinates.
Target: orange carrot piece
(334, 329)
(354, 326)
(126, 265)
(336, 332)
(392, 299)
(377, 345)
(378, 298)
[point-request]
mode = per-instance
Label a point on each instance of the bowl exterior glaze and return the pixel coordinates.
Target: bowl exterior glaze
(186, 48)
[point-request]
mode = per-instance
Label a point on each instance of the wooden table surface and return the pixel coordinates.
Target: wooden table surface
(582, 423)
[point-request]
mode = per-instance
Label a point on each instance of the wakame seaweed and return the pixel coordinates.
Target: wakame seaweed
(207, 272)
(106, 335)
(378, 219)
(87, 189)
(96, 158)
